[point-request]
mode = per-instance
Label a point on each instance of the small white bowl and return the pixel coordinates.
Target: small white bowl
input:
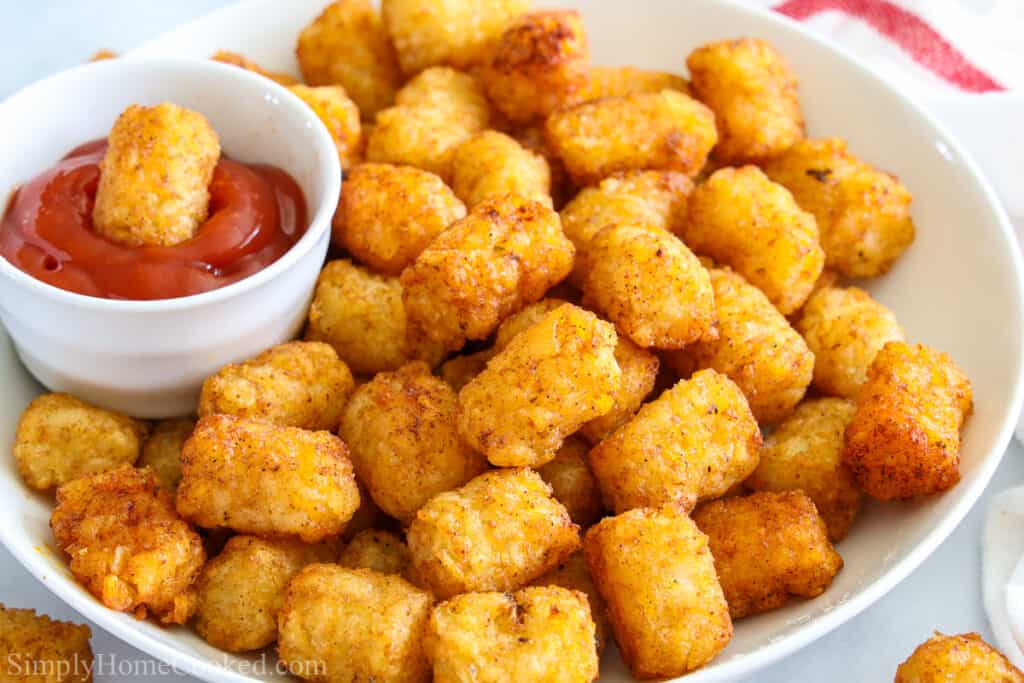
(149, 358)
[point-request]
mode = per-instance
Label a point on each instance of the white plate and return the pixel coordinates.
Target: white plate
(958, 288)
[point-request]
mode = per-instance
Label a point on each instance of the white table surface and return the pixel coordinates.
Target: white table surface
(40, 37)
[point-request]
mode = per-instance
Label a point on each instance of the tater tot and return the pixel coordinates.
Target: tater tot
(296, 384)
(456, 93)
(639, 372)
(261, 478)
(845, 328)
(574, 575)
(518, 322)
(340, 115)
(745, 221)
(37, 649)
(491, 164)
(666, 130)
(964, 658)
(904, 438)
(155, 175)
(127, 545)
(240, 592)
(532, 137)
(341, 624)
(549, 381)
(650, 285)
(539, 65)
(768, 547)
(388, 214)
(235, 59)
(459, 370)
(498, 532)
(756, 347)
(863, 213)
(348, 45)
(753, 93)
(60, 438)
(543, 634)
(400, 428)
(666, 608)
(504, 254)
(162, 451)
(618, 81)
(650, 461)
(454, 32)
(380, 551)
(572, 483)
(362, 316)
(804, 452)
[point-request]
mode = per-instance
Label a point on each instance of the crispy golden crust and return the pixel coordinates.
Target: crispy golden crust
(863, 213)
(845, 328)
(342, 624)
(572, 483)
(261, 478)
(162, 451)
(543, 634)
(498, 532)
(768, 547)
(362, 316)
(235, 59)
(574, 575)
(745, 221)
(666, 608)
(37, 649)
(755, 347)
(965, 657)
(549, 381)
(388, 214)
(381, 551)
(522, 320)
(532, 137)
(491, 164)
(904, 439)
(505, 254)
(401, 430)
(662, 131)
(753, 93)
(127, 545)
(650, 461)
(154, 176)
(335, 110)
(60, 438)
(451, 91)
(618, 81)
(459, 370)
(348, 45)
(639, 372)
(804, 452)
(650, 285)
(296, 384)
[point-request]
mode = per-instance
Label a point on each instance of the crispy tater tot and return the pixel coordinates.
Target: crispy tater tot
(491, 164)
(162, 451)
(650, 461)
(127, 545)
(661, 131)
(904, 439)
(498, 532)
(964, 658)
(518, 322)
(768, 547)
(296, 384)
(845, 328)
(37, 649)
(454, 32)
(666, 608)
(539, 65)
(505, 254)
(753, 93)
(241, 591)
(745, 221)
(261, 478)
(155, 175)
(374, 549)
(539, 633)
(235, 59)
(388, 214)
(335, 110)
(618, 81)
(459, 370)
(863, 213)
(639, 372)
(650, 285)
(60, 438)
(549, 381)
(341, 624)
(804, 452)
(362, 316)
(572, 483)
(400, 428)
(456, 93)
(532, 137)
(756, 347)
(574, 575)
(348, 45)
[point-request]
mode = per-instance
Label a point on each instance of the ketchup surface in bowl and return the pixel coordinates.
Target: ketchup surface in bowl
(257, 212)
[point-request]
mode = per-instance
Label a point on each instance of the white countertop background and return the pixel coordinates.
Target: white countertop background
(40, 37)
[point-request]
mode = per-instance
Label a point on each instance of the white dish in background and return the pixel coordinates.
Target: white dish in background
(958, 288)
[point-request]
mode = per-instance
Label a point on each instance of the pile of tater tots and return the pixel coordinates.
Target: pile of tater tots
(582, 367)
